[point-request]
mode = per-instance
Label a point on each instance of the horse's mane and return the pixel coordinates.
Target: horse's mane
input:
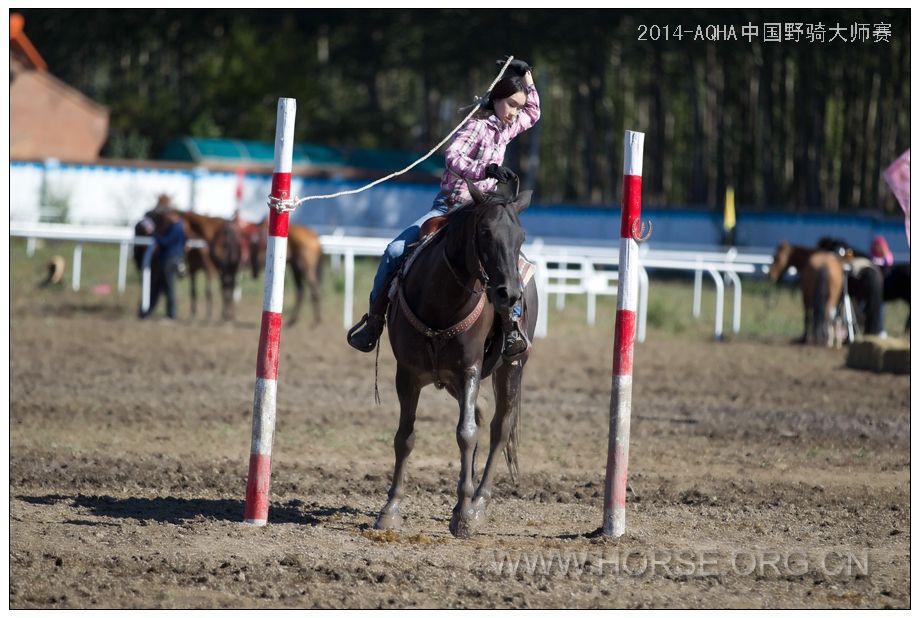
(460, 216)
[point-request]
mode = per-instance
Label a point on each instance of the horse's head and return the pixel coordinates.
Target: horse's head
(780, 261)
(497, 242)
(225, 251)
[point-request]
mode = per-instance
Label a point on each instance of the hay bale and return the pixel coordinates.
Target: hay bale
(872, 353)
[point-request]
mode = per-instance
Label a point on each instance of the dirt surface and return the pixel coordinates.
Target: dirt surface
(765, 475)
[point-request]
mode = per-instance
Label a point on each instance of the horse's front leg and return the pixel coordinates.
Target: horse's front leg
(193, 289)
(408, 388)
(808, 335)
(297, 271)
(506, 383)
(315, 298)
(463, 522)
(207, 292)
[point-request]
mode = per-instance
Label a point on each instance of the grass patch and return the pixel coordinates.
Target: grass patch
(768, 312)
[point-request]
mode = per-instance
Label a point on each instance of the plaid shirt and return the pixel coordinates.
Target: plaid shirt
(482, 141)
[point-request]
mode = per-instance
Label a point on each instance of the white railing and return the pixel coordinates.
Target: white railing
(561, 269)
(79, 234)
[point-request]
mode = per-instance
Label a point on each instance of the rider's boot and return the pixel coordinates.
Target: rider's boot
(363, 336)
(514, 340)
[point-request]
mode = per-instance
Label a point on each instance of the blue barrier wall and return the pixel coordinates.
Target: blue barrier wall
(388, 208)
(121, 194)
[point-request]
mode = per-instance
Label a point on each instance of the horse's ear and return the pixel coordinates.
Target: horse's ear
(522, 201)
(475, 193)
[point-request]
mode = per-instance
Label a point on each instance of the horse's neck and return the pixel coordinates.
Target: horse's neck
(201, 225)
(459, 250)
(438, 292)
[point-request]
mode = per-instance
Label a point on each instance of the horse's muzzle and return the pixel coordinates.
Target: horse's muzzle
(505, 296)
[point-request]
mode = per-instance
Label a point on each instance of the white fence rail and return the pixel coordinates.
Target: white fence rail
(561, 270)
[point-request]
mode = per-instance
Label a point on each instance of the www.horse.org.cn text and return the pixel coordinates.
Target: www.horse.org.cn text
(838, 563)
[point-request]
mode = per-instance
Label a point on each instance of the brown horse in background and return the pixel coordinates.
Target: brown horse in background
(821, 277)
(304, 255)
(221, 258)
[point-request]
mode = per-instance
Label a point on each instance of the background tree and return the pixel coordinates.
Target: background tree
(789, 125)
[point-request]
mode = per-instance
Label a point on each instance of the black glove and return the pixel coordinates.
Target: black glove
(500, 173)
(517, 66)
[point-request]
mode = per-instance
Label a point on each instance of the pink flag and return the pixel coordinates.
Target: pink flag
(898, 177)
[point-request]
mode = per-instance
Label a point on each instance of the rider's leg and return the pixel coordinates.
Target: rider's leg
(514, 340)
(363, 336)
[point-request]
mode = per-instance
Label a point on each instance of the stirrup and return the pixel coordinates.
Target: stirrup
(364, 335)
(521, 345)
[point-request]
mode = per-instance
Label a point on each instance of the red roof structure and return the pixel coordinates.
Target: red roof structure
(21, 48)
(48, 118)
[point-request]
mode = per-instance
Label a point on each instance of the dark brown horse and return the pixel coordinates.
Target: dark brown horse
(222, 258)
(444, 331)
(304, 255)
(821, 279)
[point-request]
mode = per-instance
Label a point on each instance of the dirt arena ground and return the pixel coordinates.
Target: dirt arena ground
(765, 475)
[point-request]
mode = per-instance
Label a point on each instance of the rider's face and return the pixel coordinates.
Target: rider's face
(508, 108)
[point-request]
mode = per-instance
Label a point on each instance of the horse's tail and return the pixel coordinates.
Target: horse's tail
(319, 266)
(819, 305)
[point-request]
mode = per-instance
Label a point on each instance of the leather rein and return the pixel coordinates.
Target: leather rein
(443, 335)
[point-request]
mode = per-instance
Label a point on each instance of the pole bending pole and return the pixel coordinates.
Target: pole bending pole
(263, 407)
(624, 338)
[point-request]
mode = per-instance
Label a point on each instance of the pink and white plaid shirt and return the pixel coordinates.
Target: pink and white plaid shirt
(482, 141)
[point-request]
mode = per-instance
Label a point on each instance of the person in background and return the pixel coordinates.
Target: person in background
(881, 254)
(475, 154)
(169, 237)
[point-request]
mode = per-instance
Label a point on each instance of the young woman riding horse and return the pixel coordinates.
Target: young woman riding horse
(476, 154)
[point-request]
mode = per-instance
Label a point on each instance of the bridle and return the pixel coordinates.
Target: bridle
(482, 277)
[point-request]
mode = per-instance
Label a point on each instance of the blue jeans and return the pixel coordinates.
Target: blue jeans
(166, 283)
(392, 257)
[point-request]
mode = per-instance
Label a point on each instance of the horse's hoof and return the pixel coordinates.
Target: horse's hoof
(388, 521)
(480, 505)
(464, 526)
(461, 528)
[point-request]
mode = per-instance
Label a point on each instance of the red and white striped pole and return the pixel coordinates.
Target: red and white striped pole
(624, 338)
(263, 407)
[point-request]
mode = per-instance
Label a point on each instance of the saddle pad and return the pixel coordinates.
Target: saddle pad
(414, 252)
(526, 269)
